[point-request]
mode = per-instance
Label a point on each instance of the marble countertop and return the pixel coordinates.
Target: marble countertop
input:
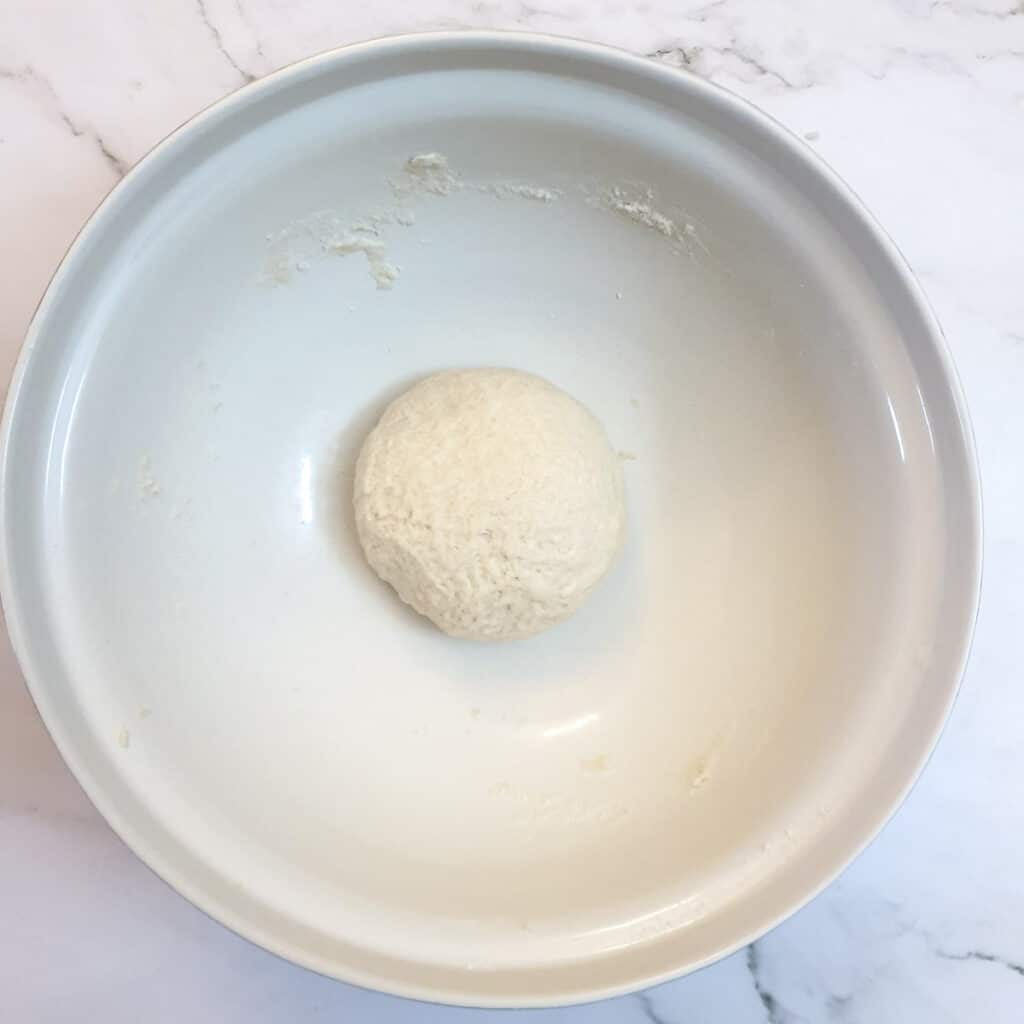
(919, 104)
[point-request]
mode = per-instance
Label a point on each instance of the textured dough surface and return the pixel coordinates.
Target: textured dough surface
(491, 501)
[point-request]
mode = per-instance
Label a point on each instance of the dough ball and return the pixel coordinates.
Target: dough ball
(491, 501)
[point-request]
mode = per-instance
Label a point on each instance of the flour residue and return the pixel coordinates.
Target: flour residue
(381, 270)
(427, 172)
(703, 769)
(430, 177)
(638, 204)
(513, 190)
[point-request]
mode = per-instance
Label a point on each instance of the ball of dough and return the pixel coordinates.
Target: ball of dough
(491, 501)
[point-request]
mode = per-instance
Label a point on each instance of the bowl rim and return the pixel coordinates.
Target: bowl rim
(491, 41)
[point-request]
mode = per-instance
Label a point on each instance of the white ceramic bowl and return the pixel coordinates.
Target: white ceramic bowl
(627, 797)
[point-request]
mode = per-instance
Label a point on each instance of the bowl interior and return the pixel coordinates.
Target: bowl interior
(628, 794)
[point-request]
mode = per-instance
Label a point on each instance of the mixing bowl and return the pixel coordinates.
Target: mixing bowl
(635, 793)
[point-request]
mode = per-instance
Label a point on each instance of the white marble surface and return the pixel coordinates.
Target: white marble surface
(920, 105)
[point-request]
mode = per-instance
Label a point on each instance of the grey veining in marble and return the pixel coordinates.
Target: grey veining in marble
(919, 104)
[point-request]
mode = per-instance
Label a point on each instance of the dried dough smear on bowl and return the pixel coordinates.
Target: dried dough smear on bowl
(731, 715)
